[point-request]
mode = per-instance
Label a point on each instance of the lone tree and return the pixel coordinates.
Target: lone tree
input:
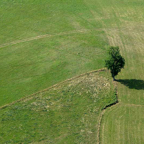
(115, 62)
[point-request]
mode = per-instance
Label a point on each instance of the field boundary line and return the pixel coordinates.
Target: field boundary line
(137, 105)
(52, 35)
(43, 36)
(99, 125)
(117, 100)
(104, 109)
(53, 86)
(47, 35)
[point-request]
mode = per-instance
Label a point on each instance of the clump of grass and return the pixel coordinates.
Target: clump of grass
(67, 113)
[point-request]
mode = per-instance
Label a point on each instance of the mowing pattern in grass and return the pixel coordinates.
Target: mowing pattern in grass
(124, 28)
(75, 42)
(47, 41)
(68, 113)
(123, 124)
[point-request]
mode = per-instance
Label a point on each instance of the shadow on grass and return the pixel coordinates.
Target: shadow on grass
(132, 83)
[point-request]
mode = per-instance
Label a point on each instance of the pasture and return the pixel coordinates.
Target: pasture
(45, 42)
(123, 123)
(70, 112)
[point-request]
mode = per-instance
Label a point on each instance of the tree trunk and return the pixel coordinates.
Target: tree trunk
(113, 78)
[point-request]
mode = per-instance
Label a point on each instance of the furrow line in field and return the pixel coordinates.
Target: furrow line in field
(136, 105)
(42, 36)
(128, 127)
(52, 35)
(139, 126)
(99, 126)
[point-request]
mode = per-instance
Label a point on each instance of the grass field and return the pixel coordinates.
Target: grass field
(123, 123)
(45, 42)
(67, 113)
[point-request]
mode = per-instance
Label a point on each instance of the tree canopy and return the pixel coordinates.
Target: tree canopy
(115, 61)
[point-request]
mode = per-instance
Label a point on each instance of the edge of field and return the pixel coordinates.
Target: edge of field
(29, 97)
(58, 84)
(103, 112)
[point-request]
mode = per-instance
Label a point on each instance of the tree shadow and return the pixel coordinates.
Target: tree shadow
(132, 83)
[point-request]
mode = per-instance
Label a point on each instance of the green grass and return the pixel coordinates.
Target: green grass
(123, 123)
(73, 45)
(78, 33)
(67, 113)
